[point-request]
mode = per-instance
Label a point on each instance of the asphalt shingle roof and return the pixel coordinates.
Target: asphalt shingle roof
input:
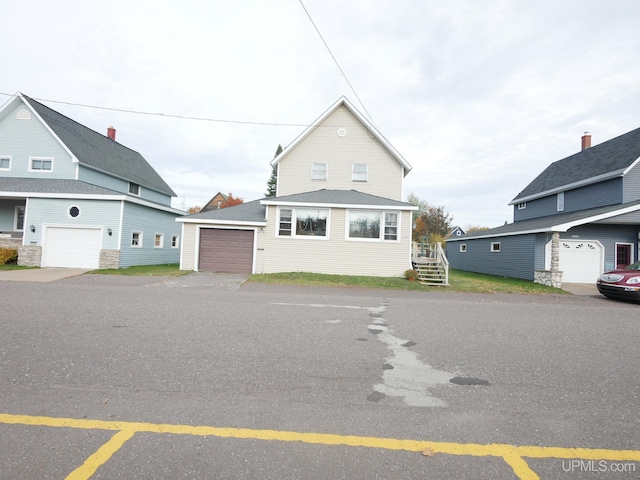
(341, 197)
(610, 157)
(98, 151)
(544, 224)
(244, 212)
(53, 186)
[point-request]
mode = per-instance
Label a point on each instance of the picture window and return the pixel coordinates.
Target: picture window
(366, 224)
(303, 222)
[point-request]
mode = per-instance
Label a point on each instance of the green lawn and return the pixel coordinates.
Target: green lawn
(459, 281)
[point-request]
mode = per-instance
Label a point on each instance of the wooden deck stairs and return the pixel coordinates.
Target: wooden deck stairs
(431, 264)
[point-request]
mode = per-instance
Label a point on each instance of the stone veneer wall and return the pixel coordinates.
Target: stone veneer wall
(548, 278)
(6, 242)
(109, 259)
(30, 255)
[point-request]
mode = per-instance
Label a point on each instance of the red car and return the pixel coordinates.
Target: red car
(623, 283)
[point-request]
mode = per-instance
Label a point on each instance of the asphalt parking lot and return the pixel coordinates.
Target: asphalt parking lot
(205, 377)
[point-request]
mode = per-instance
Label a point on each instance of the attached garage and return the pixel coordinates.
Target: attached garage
(581, 261)
(71, 247)
(226, 250)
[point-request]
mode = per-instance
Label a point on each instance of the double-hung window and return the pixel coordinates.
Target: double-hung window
(372, 225)
(303, 222)
(134, 189)
(318, 171)
(136, 239)
(360, 172)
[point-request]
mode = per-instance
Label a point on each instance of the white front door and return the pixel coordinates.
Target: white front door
(71, 247)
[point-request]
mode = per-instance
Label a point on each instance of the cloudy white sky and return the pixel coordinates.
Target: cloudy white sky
(478, 96)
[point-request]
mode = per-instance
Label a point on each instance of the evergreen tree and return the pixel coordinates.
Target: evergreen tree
(272, 183)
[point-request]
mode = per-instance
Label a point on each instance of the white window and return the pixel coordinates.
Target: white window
(463, 247)
(5, 163)
(360, 172)
(38, 164)
(366, 224)
(134, 189)
(318, 171)
(303, 222)
(495, 246)
(522, 206)
(18, 218)
(136, 239)
(175, 241)
(560, 200)
(159, 241)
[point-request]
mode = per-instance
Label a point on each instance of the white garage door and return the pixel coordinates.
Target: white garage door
(581, 261)
(72, 247)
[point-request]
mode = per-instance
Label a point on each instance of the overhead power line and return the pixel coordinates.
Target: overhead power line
(336, 62)
(166, 115)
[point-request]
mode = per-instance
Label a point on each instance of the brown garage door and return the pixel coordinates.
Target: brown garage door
(225, 250)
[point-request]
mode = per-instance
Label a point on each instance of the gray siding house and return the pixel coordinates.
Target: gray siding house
(338, 209)
(578, 218)
(71, 197)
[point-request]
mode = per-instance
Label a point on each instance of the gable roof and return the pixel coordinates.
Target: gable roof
(338, 198)
(367, 124)
(98, 151)
(554, 223)
(213, 203)
(609, 159)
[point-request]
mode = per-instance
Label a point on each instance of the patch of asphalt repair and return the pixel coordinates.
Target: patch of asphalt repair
(404, 374)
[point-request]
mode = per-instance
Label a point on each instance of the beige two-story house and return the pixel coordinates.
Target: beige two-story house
(338, 209)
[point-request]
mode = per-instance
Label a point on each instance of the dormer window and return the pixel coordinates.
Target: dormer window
(134, 189)
(360, 172)
(318, 171)
(560, 201)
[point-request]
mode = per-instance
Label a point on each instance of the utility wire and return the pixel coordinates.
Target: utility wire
(167, 115)
(336, 61)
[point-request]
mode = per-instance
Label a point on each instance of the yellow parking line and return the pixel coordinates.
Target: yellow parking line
(513, 455)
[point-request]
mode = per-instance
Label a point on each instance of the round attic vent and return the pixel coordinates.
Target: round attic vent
(342, 132)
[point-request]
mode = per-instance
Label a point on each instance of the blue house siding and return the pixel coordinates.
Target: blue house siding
(591, 196)
(149, 222)
(631, 185)
(104, 180)
(7, 214)
(515, 258)
(22, 139)
(93, 213)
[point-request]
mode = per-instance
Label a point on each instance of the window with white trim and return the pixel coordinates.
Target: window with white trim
(360, 172)
(136, 239)
(159, 241)
(39, 164)
(5, 163)
(134, 189)
(175, 241)
(318, 171)
(522, 206)
(560, 201)
(366, 224)
(495, 247)
(303, 222)
(463, 247)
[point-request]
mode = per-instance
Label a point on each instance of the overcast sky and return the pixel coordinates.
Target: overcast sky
(478, 96)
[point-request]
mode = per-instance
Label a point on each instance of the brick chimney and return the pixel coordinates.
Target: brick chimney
(111, 133)
(586, 141)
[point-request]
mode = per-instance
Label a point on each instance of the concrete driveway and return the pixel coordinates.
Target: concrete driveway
(49, 274)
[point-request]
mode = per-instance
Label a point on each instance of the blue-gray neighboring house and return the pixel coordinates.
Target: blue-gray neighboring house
(71, 197)
(578, 218)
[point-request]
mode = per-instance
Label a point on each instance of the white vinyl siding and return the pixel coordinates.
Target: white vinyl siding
(385, 174)
(338, 255)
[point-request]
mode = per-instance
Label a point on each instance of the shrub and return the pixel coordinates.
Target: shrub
(411, 274)
(8, 255)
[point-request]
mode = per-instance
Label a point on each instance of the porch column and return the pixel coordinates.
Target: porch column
(555, 251)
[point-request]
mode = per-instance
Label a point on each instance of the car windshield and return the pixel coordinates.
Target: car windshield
(633, 266)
